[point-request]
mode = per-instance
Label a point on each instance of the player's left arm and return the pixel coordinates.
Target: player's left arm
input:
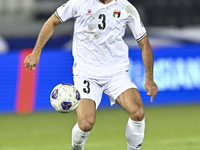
(148, 60)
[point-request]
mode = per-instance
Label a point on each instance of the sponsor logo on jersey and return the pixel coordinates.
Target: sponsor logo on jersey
(89, 12)
(116, 14)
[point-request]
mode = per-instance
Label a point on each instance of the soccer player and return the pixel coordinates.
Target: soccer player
(101, 62)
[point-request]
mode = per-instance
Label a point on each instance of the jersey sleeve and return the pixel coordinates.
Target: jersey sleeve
(67, 10)
(135, 24)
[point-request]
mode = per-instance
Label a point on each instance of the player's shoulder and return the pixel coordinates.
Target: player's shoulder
(128, 6)
(83, 1)
(79, 4)
(125, 4)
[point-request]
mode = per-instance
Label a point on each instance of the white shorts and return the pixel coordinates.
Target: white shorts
(112, 87)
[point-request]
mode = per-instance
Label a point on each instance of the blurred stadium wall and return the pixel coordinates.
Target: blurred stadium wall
(173, 29)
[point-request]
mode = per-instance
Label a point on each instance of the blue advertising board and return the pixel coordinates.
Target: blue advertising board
(176, 72)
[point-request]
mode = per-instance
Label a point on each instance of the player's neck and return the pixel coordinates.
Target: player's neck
(105, 1)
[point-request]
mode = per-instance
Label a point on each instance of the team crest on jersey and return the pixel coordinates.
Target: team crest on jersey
(116, 14)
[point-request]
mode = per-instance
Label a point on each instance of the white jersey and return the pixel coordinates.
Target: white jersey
(98, 48)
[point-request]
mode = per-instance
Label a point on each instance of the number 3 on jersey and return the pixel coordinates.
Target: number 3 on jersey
(102, 17)
(87, 89)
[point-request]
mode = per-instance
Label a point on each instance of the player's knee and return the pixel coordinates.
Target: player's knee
(137, 113)
(86, 124)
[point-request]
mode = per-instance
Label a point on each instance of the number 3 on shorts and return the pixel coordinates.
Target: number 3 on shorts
(87, 89)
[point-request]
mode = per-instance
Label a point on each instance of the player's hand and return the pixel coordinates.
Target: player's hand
(151, 88)
(31, 61)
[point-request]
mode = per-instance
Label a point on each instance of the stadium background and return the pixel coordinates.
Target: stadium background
(173, 29)
(27, 120)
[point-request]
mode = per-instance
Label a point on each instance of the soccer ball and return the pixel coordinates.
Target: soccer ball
(65, 98)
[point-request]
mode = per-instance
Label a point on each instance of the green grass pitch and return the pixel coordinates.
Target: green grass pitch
(167, 128)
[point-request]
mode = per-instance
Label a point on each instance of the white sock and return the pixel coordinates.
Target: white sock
(135, 134)
(79, 138)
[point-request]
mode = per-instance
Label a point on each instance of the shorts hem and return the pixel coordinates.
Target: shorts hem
(113, 102)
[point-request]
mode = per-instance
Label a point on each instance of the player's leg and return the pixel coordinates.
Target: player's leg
(91, 94)
(86, 113)
(131, 102)
(123, 91)
(86, 118)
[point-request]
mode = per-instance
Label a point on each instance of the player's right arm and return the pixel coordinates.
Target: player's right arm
(46, 32)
